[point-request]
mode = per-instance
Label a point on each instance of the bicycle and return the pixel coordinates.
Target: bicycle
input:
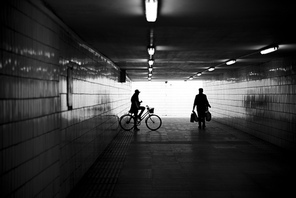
(153, 121)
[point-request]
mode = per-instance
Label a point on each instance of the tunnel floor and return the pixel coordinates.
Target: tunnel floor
(180, 160)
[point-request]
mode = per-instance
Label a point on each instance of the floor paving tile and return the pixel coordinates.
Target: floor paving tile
(180, 160)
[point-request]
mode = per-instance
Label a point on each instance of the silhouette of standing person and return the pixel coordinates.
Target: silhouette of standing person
(135, 106)
(201, 102)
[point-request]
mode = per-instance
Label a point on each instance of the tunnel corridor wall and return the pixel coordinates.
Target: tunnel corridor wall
(59, 103)
(260, 100)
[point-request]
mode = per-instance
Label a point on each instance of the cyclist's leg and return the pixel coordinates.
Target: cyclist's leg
(135, 120)
(142, 110)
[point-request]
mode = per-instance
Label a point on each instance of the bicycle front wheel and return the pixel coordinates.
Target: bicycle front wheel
(153, 122)
(126, 122)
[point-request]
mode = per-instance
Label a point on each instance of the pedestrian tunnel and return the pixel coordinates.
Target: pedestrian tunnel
(60, 102)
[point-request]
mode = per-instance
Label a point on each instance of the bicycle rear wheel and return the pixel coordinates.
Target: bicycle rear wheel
(126, 122)
(153, 122)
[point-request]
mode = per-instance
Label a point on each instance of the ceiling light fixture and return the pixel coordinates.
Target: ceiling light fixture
(151, 50)
(211, 69)
(230, 62)
(151, 10)
(149, 74)
(150, 61)
(269, 50)
(191, 78)
(150, 69)
(199, 74)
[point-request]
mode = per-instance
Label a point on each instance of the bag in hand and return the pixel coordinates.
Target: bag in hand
(193, 117)
(208, 116)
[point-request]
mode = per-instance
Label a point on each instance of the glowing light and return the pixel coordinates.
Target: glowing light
(150, 61)
(151, 10)
(269, 50)
(230, 62)
(151, 50)
(211, 69)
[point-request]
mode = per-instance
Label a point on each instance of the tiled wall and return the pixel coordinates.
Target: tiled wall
(47, 143)
(260, 100)
(97, 101)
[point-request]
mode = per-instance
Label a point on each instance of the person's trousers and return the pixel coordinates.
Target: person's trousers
(201, 117)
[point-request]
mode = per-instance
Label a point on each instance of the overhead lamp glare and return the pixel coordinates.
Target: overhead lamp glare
(151, 50)
(151, 10)
(269, 50)
(211, 69)
(230, 62)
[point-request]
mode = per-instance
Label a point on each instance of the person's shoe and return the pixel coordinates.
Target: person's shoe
(204, 126)
(136, 129)
(199, 127)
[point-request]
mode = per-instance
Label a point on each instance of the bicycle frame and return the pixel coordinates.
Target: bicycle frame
(144, 115)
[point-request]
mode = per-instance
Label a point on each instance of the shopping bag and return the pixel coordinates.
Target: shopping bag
(193, 117)
(208, 116)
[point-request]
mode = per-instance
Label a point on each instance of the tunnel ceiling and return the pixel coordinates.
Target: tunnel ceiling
(190, 35)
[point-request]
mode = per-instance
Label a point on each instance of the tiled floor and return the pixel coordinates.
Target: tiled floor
(180, 160)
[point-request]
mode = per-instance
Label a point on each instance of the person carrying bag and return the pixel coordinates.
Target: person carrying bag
(201, 103)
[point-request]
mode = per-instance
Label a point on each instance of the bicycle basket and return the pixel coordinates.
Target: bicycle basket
(151, 110)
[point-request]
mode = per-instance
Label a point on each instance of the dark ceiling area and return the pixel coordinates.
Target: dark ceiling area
(189, 35)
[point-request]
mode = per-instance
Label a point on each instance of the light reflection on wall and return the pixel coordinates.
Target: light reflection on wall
(174, 98)
(261, 101)
(36, 121)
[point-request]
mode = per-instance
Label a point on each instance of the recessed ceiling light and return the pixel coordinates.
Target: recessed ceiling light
(211, 69)
(151, 10)
(269, 50)
(151, 50)
(230, 62)
(150, 61)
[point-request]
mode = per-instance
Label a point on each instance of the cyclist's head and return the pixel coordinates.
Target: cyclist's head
(200, 90)
(137, 91)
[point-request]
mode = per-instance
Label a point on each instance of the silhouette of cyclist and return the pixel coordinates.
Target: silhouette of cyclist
(135, 106)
